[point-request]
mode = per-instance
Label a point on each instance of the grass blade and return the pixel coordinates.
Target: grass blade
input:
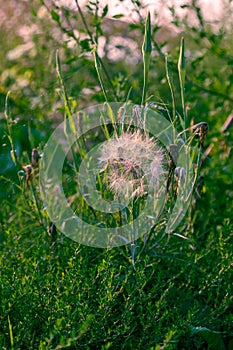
(11, 333)
(98, 67)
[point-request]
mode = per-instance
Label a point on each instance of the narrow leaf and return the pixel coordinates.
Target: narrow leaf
(147, 45)
(181, 63)
(55, 16)
(146, 51)
(11, 332)
(118, 16)
(98, 67)
(181, 71)
(105, 11)
(171, 85)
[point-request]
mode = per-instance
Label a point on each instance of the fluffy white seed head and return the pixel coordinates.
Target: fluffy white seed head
(132, 163)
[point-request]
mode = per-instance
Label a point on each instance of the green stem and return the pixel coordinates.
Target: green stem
(181, 71)
(98, 66)
(68, 119)
(171, 86)
(94, 43)
(146, 61)
(146, 51)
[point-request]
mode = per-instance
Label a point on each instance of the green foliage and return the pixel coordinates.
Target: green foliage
(175, 292)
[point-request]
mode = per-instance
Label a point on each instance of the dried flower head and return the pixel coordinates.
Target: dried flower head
(201, 129)
(35, 158)
(132, 162)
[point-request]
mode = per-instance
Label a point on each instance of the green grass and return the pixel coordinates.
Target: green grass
(85, 298)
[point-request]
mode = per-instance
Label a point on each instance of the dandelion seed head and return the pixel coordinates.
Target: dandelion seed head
(132, 162)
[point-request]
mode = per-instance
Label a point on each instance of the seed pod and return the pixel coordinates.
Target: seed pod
(201, 129)
(35, 158)
(29, 173)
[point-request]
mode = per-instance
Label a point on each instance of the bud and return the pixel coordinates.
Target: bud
(147, 47)
(35, 158)
(201, 129)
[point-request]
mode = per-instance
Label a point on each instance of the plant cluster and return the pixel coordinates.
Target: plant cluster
(164, 290)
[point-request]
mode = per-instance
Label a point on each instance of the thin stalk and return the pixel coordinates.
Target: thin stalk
(38, 206)
(11, 333)
(9, 128)
(84, 22)
(181, 71)
(171, 86)
(146, 52)
(94, 43)
(68, 119)
(64, 93)
(98, 66)
(146, 61)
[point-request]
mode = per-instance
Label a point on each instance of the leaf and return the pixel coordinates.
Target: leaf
(133, 26)
(146, 51)
(105, 11)
(171, 85)
(181, 71)
(181, 64)
(85, 44)
(11, 333)
(118, 16)
(147, 45)
(185, 6)
(55, 16)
